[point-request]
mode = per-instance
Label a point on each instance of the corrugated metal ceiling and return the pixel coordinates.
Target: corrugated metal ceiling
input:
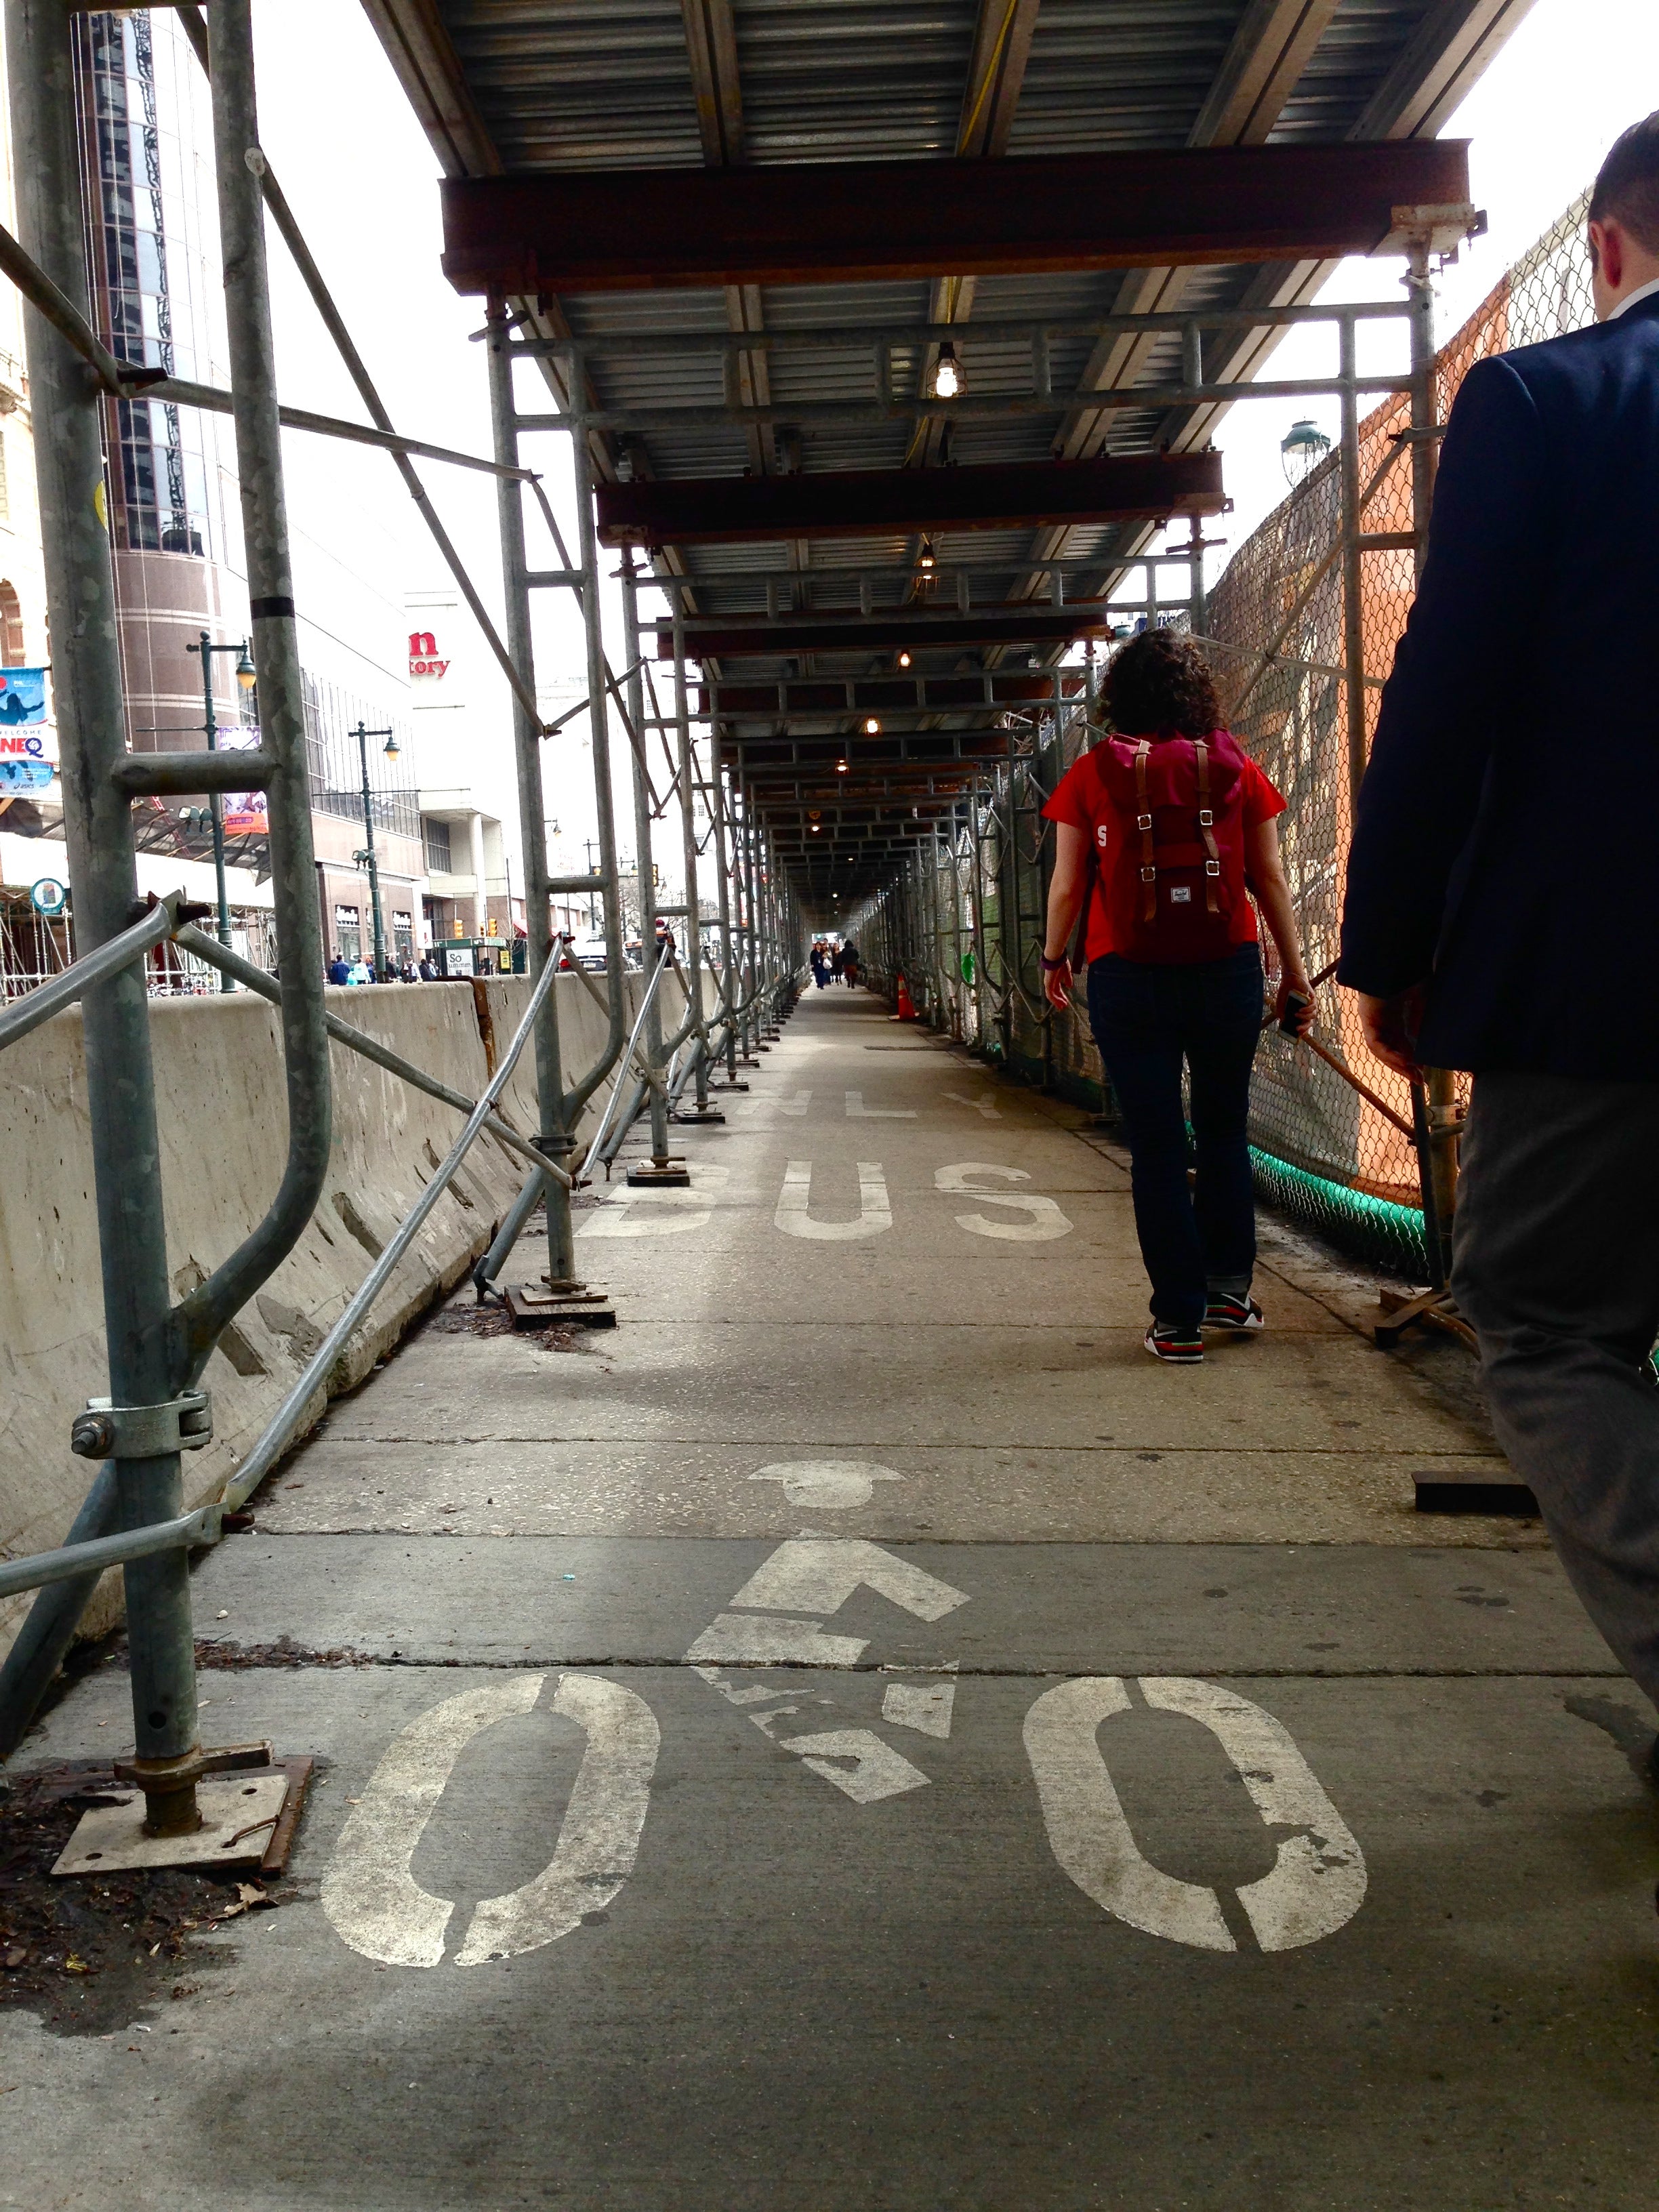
(525, 85)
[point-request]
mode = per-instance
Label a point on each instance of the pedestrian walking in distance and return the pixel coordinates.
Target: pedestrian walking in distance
(1500, 894)
(1167, 830)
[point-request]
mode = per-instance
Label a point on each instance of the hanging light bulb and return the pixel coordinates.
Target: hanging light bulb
(247, 674)
(927, 558)
(389, 747)
(904, 661)
(949, 382)
(841, 766)
(871, 727)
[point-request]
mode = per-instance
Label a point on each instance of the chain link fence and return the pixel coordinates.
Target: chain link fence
(965, 924)
(1323, 1151)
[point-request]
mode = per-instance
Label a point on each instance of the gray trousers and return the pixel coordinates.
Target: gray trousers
(1556, 1264)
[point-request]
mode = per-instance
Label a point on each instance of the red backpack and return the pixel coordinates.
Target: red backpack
(1169, 846)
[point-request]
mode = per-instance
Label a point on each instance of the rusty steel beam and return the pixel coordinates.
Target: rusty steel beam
(860, 222)
(875, 503)
(892, 630)
(895, 695)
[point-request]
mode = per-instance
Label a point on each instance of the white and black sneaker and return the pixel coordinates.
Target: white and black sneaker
(1237, 1314)
(1173, 1341)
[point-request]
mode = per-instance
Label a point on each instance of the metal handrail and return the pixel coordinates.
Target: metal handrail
(255, 979)
(205, 1525)
(628, 1053)
(107, 959)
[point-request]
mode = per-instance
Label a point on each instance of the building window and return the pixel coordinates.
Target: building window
(11, 628)
(349, 934)
(402, 937)
(438, 851)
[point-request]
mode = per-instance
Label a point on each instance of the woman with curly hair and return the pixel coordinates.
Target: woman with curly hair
(1168, 830)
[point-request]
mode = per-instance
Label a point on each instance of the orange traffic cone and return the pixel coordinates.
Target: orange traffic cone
(907, 1012)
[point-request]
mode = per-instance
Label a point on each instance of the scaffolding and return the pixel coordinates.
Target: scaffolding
(786, 378)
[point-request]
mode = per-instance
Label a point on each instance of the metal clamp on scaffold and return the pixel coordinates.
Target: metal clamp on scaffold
(106, 1431)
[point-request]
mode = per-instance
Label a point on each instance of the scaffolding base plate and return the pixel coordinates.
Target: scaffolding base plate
(673, 1175)
(734, 1085)
(534, 1306)
(695, 1114)
(239, 1811)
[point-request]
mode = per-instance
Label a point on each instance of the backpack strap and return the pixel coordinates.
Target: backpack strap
(1206, 827)
(1144, 824)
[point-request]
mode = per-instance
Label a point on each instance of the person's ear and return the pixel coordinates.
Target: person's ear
(1607, 242)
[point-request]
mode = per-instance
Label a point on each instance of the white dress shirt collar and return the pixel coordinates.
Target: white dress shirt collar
(1642, 292)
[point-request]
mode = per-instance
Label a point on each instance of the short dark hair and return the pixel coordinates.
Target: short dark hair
(1628, 184)
(1158, 684)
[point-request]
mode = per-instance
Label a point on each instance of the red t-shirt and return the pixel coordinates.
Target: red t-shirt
(1080, 800)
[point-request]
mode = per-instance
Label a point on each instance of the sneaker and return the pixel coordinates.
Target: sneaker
(1226, 1312)
(1168, 1339)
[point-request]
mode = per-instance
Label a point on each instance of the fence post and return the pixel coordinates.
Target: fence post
(1353, 617)
(1440, 1168)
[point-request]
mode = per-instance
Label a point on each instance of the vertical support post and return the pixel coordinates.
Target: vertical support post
(215, 799)
(689, 851)
(376, 923)
(1197, 597)
(644, 865)
(554, 1138)
(91, 723)
(1440, 1197)
(1353, 622)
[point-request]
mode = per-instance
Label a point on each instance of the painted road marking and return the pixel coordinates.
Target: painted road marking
(985, 1103)
(858, 1111)
(796, 1104)
(661, 1213)
(877, 1771)
(737, 1639)
(1319, 1880)
(1046, 1220)
(819, 1574)
(831, 1486)
(924, 1706)
(376, 1903)
(794, 1199)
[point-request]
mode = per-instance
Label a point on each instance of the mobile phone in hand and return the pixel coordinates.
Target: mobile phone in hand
(1294, 1003)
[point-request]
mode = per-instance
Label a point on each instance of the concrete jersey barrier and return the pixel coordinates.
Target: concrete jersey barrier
(222, 1118)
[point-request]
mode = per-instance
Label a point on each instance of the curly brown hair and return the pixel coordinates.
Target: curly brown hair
(1158, 685)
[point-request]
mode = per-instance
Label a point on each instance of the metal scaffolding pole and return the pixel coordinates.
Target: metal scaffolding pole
(555, 1137)
(730, 981)
(91, 719)
(1353, 617)
(661, 1168)
(686, 776)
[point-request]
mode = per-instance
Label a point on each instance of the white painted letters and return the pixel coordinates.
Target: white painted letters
(375, 1902)
(1318, 1883)
(795, 1198)
(1046, 1220)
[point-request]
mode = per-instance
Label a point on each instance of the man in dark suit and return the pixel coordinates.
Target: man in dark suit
(1503, 900)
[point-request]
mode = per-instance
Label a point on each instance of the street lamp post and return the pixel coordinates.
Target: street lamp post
(366, 856)
(246, 676)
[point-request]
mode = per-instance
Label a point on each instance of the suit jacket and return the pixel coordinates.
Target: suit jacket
(1506, 846)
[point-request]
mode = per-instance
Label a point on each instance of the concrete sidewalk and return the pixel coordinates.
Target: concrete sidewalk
(863, 1735)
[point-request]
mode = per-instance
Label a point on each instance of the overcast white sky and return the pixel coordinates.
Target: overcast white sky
(362, 181)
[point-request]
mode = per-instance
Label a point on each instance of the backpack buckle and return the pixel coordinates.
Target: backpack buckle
(1143, 822)
(1149, 875)
(1213, 868)
(1206, 818)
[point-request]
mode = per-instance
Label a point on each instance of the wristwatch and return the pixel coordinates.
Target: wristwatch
(1049, 966)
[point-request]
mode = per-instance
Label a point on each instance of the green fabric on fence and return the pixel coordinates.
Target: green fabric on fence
(1373, 1228)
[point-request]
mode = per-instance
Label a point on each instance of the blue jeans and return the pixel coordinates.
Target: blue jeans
(1146, 1020)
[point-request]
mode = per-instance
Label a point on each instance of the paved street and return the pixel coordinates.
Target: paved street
(862, 1736)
